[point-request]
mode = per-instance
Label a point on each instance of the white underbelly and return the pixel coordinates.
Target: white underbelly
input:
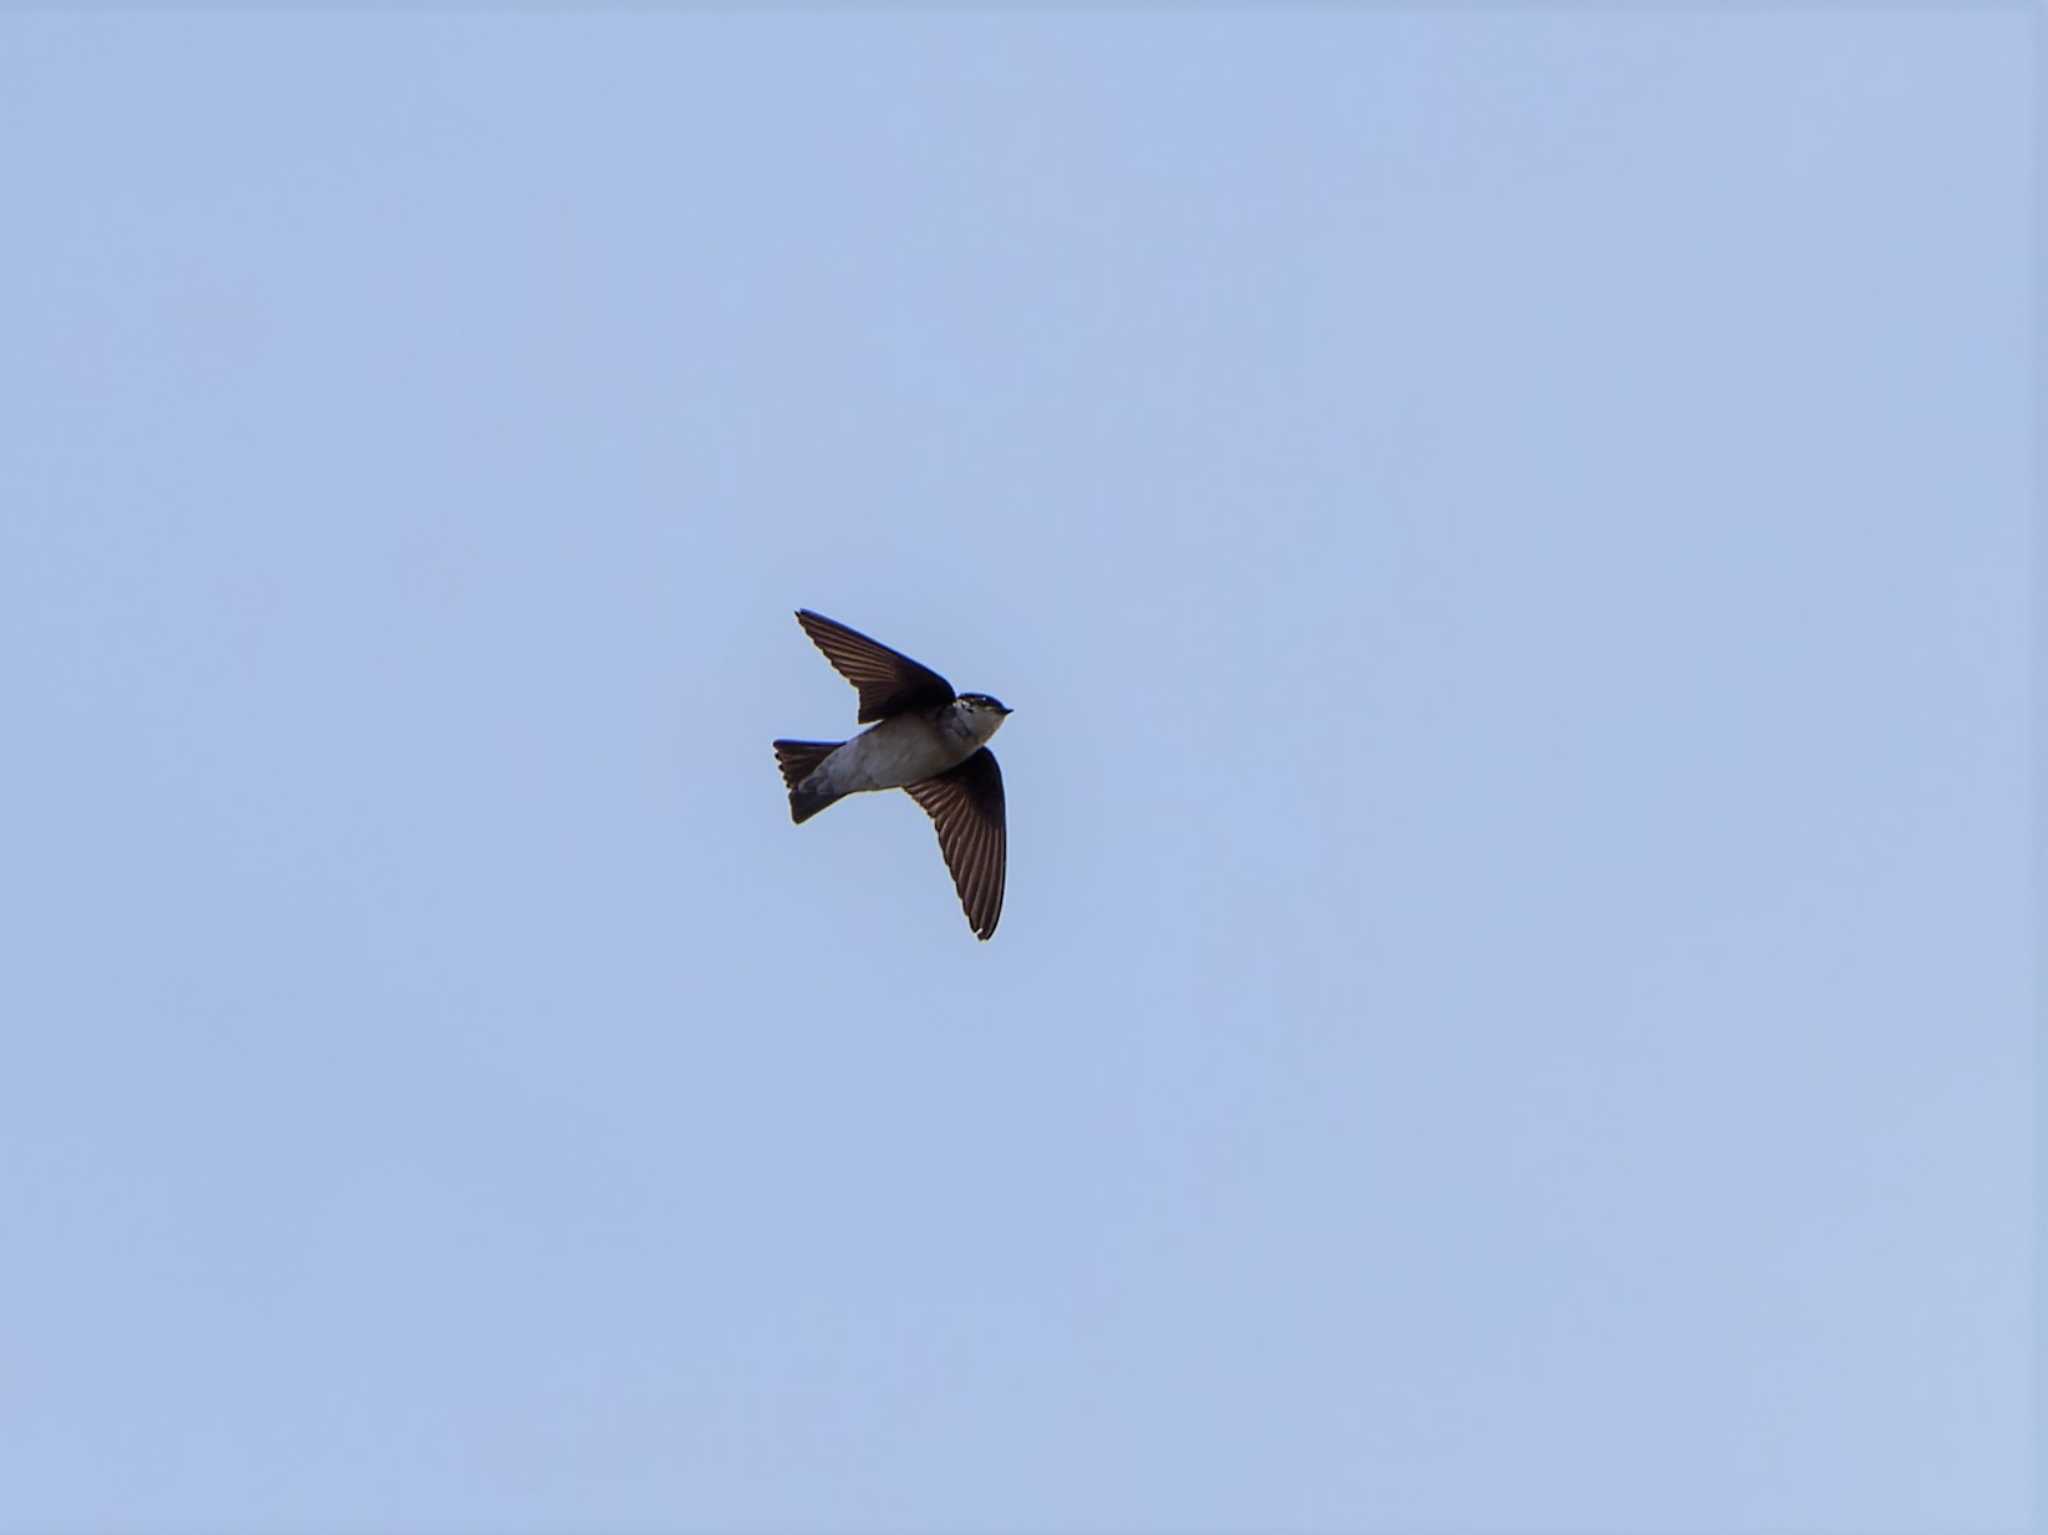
(896, 752)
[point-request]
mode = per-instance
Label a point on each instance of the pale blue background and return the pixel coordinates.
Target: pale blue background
(1506, 536)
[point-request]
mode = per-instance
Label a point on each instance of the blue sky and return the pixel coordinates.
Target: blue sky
(1507, 539)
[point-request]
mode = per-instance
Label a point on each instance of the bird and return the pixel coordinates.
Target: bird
(922, 738)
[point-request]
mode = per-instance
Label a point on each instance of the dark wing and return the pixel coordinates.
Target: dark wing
(889, 683)
(966, 805)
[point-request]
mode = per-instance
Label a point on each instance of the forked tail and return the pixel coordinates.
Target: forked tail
(798, 760)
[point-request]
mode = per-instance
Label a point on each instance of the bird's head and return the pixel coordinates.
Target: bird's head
(984, 714)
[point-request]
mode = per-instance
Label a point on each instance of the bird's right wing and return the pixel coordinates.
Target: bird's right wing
(889, 682)
(966, 805)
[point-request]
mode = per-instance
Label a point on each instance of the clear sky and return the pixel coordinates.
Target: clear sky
(1506, 536)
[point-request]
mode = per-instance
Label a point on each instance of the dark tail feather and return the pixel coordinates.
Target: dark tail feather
(798, 760)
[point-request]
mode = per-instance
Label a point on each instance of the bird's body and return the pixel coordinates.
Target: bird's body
(905, 749)
(927, 740)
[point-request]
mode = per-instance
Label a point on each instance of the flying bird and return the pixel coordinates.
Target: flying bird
(926, 740)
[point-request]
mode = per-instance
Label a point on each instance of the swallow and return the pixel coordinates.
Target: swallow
(922, 738)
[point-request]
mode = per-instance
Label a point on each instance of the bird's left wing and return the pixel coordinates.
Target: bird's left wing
(966, 806)
(889, 681)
